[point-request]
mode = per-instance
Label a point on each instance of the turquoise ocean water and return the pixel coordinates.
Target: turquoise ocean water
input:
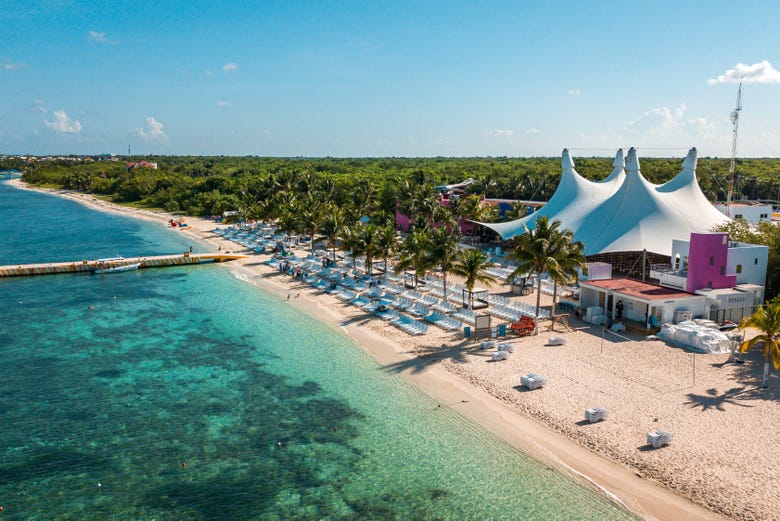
(183, 393)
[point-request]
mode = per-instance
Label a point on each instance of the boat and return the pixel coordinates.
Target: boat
(116, 268)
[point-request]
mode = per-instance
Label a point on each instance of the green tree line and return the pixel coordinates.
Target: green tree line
(203, 186)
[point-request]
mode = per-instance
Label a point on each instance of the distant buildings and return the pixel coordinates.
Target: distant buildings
(141, 164)
(69, 159)
(753, 213)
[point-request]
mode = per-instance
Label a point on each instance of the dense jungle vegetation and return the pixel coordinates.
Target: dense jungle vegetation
(204, 186)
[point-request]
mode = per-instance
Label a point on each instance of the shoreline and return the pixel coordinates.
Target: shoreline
(478, 392)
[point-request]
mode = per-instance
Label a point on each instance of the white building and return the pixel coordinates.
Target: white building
(642, 302)
(752, 213)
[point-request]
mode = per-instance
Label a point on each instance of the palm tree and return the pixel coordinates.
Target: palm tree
(518, 210)
(333, 225)
(542, 250)
(287, 211)
(414, 254)
(471, 265)
(363, 197)
(473, 208)
(329, 190)
(767, 320)
(442, 249)
(383, 217)
(570, 261)
(366, 240)
(387, 243)
(248, 205)
(287, 181)
(351, 241)
(428, 206)
(418, 202)
(407, 203)
(457, 208)
(310, 216)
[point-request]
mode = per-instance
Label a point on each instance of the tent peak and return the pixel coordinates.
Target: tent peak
(691, 159)
(632, 161)
(566, 160)
(619, 159)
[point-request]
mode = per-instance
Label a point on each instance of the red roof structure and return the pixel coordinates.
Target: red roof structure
(637, 289)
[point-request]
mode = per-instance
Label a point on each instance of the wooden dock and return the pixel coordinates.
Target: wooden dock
(157, 261)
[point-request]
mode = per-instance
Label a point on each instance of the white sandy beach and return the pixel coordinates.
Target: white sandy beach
(724, 462)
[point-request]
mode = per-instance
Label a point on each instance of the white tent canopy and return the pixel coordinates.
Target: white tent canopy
(624, 212)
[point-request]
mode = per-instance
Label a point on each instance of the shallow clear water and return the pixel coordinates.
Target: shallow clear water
(183, 393)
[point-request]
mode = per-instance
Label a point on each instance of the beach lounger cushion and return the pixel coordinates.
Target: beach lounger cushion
(533, 381)
(500, 355)
(596, 414)
(658, 439)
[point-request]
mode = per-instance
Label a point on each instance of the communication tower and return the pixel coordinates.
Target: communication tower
(732, 165)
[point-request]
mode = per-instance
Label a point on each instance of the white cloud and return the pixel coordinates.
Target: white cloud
(208, 72)
(13, 66)
(761, 72)
(224, 104)
(62, 123)
(152, 132)
(657, 117)
(101, 38)
(499, 133)
(532, 131)
(39, 105)
(575, 92)
(229, 67)
(670, 127)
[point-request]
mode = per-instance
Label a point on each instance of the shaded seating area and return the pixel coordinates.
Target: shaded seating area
(477, 298)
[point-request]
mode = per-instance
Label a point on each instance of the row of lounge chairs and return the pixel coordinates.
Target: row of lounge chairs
(257, 239)
(410, 325)
(386, 300)
(426, 302)
(444, 322)
(466, 315)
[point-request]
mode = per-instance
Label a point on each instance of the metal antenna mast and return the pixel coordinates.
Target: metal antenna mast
(732, 165)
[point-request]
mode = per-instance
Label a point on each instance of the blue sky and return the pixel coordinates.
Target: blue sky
(400, 78)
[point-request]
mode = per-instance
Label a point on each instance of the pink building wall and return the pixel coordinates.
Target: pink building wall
(707, 261)
(402, 221)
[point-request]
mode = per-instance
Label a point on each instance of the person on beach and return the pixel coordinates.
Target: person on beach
(619, 310)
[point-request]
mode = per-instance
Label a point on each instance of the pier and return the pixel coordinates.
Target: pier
(156, 261)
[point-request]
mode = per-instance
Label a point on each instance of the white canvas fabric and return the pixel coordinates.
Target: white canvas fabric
(624, 212)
